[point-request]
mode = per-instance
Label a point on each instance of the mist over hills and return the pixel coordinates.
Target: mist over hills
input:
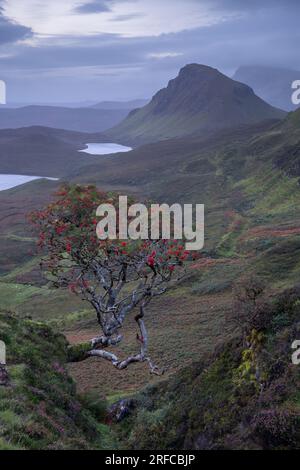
(128, 105)
(91, 119)
(199, 100)
(272, 84)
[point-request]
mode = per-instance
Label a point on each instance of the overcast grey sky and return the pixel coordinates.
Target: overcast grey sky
(78, 50)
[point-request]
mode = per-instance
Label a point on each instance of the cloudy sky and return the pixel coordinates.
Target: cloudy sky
(62, 51)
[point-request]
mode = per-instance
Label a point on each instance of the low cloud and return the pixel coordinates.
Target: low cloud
(164, 55)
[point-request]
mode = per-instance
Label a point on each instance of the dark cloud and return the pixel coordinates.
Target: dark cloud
(242, 5)
(10, 31)
(127, 17)
(97, 6)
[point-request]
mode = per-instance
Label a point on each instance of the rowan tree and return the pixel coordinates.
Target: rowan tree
(114, 276)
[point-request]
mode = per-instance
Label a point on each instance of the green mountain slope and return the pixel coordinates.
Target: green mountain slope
(247, 170)
(221, 403)
(39, 408)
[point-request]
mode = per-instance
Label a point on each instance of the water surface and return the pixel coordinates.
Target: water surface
(11, 181)
(104, 148)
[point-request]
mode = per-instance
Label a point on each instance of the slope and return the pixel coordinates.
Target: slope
(39, 408)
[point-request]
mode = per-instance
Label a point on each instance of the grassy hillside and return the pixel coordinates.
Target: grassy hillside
(17, 243)
(252, 226)
(243, 397)
(39, 408)
(41, 151)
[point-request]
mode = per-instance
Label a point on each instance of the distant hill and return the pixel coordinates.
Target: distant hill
(41, 151)
(74, 119)
(200, 100)
(128, 105)
(270, 83)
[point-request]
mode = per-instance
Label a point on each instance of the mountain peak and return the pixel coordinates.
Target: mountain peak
(197, 68)
(198, 100)
(198, 73)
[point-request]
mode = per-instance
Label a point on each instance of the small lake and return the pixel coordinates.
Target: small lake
(104, 149)
(11, 181)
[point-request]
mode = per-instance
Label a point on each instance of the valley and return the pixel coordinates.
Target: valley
(84, 119)
(247, 175)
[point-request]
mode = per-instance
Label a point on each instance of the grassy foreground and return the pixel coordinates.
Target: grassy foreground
(221, 403)
(39, 408)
